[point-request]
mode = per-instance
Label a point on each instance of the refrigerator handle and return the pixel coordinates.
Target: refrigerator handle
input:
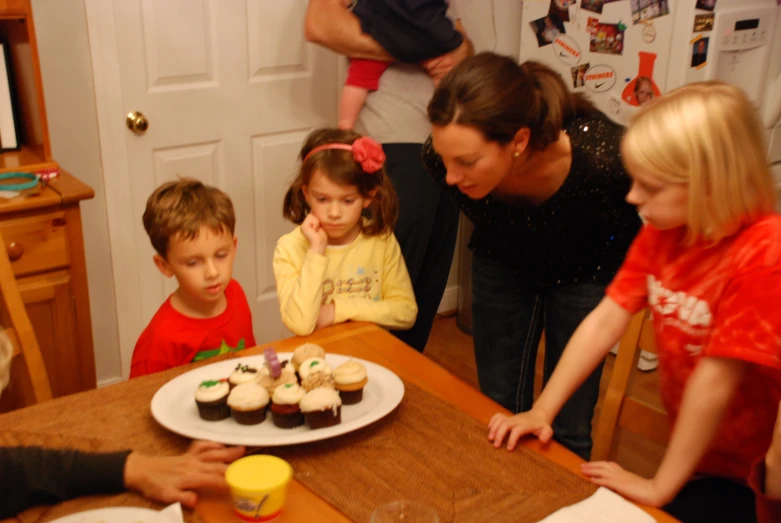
(773, 105)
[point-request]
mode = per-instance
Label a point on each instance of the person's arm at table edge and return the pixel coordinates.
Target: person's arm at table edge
(330, 24)
(34, 475)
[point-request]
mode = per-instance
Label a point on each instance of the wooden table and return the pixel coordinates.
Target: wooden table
(374, 344)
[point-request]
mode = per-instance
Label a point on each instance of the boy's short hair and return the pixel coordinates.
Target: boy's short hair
(180, 208)
(707, 135)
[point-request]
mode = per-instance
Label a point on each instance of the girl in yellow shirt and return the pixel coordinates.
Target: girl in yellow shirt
(343, 261)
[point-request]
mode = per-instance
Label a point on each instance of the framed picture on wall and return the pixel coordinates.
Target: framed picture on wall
(9, 128)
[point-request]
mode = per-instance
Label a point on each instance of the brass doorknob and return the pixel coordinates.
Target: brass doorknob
(137, 122)
(15, 251)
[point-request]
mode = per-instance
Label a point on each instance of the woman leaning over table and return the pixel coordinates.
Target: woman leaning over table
(537, 170)
(33, 475)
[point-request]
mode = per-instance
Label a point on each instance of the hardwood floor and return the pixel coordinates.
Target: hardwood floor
(452, 349)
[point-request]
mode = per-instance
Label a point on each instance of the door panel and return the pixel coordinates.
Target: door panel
(230, 89)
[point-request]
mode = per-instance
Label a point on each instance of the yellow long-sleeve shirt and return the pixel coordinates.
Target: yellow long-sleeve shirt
(366, 280)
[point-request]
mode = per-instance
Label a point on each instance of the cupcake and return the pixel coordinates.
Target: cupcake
(350, 379)
(288, 375)
(316, 380)
(306, 351)
(211, 396)
(322, 408)
(248, 403)
(285, 412)
(243, 374)
(311, 365)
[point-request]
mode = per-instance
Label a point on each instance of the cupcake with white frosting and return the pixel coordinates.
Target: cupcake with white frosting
(306, 351)
(243, 374)
(322, 408)
(312, 365)
(285, 411)
(286, 376)
(349, 379)
(248, 403)
(211, 396)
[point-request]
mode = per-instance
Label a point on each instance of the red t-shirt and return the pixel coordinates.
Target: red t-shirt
(714, 301)
(172, 339)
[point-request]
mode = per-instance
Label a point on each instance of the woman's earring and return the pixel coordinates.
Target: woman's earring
(516, 154)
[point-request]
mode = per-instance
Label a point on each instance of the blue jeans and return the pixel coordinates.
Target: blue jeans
(509, 314)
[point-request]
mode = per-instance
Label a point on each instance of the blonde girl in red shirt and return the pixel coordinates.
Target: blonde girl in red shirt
(708, 265)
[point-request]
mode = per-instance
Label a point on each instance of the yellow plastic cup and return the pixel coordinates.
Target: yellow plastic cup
(258, 485)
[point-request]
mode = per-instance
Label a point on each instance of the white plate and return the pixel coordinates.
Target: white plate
(115, 515)
(173, 406)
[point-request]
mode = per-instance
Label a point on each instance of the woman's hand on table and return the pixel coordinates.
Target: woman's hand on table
(631, 486)
(169, 479)
(513, 427)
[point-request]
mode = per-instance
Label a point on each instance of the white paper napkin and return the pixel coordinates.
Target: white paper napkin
(604, 506)
(172, 514)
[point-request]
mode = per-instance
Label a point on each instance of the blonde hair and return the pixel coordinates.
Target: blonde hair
(181, 207)
(6, 353)
(706, 135)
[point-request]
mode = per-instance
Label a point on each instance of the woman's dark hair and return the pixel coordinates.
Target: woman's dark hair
(497, 96)
(341, 168)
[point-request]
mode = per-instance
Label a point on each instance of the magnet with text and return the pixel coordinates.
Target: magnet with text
(600, 78)
(567, 49)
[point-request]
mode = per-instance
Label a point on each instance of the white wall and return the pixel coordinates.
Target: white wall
(63, 48)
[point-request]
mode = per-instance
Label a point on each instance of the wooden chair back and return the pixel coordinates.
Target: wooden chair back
(621, 411)
(26, 358)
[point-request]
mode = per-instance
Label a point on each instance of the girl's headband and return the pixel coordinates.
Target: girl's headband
(366, 152)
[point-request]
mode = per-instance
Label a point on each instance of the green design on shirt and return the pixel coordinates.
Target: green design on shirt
(223, 349)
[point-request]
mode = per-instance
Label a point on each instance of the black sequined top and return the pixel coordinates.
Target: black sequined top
(580, 234)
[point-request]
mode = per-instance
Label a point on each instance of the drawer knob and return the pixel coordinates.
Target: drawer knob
(15, 251)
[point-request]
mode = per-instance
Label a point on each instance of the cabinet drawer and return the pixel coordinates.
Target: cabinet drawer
(36, 243)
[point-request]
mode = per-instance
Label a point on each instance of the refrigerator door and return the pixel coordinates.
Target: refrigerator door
(615, 52)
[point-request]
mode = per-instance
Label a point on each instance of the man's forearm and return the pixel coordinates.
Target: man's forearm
(329, 24)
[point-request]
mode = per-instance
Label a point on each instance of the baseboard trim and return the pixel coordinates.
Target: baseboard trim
(109, 381)
(449, 301)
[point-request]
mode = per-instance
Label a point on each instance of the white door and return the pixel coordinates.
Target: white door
(230, 88)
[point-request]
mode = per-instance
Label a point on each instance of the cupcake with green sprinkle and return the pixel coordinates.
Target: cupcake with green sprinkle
(211, 396)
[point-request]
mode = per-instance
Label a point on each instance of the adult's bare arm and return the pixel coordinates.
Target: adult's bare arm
(330, 24)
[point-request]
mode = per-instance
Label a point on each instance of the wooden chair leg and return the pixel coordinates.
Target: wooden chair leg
(626, 361)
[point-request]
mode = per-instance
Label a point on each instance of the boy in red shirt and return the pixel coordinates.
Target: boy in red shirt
(708, 264)
(191, 226)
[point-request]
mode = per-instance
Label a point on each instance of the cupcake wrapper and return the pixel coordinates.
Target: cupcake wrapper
(249, 417)
(351, 397)
(324, 418)
(287, 421)
(214, 410)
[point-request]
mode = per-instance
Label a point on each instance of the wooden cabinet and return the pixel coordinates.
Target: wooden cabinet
(42, 228)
